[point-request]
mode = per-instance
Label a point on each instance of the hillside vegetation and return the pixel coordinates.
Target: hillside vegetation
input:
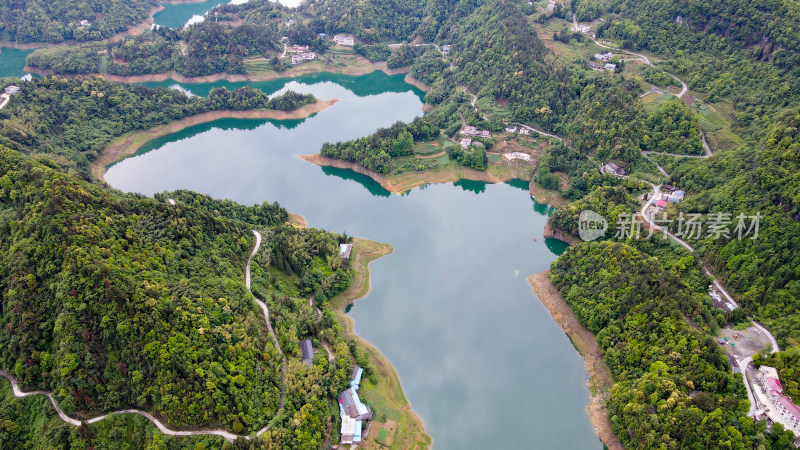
(59, 20)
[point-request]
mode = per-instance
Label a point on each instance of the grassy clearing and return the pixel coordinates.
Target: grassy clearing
(403, 429)
(653, 101)
(574, 51)
(716, 124)
(493, 108)
(546, 196)
(334, 61)
(431, 148)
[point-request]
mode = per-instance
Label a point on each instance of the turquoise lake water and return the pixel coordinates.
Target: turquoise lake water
(480, 359)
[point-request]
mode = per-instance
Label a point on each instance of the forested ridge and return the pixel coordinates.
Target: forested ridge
(60, 20)
(115, 301)
(646, 300)
(674, 387)
(70, 122)
(203, 49)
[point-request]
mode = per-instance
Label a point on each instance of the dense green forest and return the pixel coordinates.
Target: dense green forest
(674, 387)
(646, 300)
(147, 308)
(71, 121)
(136, 291)
(203, 49)
(60, 20)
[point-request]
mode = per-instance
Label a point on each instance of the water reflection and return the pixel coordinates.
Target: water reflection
(481, 361)
(371, 185)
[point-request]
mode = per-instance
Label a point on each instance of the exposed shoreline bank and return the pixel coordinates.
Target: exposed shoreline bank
(556, 233)
(398, 184)
(389, 389)
(600, 378)
(362, 67)
(129, 143)
(341, 164)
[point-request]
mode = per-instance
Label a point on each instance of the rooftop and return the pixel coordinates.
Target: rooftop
(308, 351)
(769, 372)
(345, 249)
(786, 402)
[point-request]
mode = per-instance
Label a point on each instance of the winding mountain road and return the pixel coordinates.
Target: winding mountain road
(161, 427)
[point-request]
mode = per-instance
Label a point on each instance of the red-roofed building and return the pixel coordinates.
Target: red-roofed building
(789, 410)
(773, 386)
(661, 204)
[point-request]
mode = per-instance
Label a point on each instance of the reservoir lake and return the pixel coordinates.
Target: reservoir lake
(480, 359)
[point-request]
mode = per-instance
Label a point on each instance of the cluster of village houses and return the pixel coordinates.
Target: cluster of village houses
(604, 64)
(353, 411)
(301, 53)
(777, 407)
(473, 132)
(518, 130)
(669, 193)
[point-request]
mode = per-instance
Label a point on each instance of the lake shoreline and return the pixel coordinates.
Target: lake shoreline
(404, 182)
(130, 142)
(600, 378)
(390, 389)
(132, 31)
(557, 233)
(324, 161)
(362, 67)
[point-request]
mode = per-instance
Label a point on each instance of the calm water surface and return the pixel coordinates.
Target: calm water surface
(12, 61)
(481, 360)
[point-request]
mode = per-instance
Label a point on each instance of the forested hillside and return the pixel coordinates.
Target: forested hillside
(203, 49)
(767, 29)
(59, 20)
(71, 121)
(744, 55)
(674, 387)
(113, 300)
(117, 301)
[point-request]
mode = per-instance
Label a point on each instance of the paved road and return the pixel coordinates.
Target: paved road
(269, 327)
(543, 133)
(4, 98)
(167, 431)
(72, 421)
(644, 59)
(657, 193)
(754, 406)
(775, 348)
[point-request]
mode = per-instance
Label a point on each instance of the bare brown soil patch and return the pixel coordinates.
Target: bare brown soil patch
(297, 219)
(416, 83)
